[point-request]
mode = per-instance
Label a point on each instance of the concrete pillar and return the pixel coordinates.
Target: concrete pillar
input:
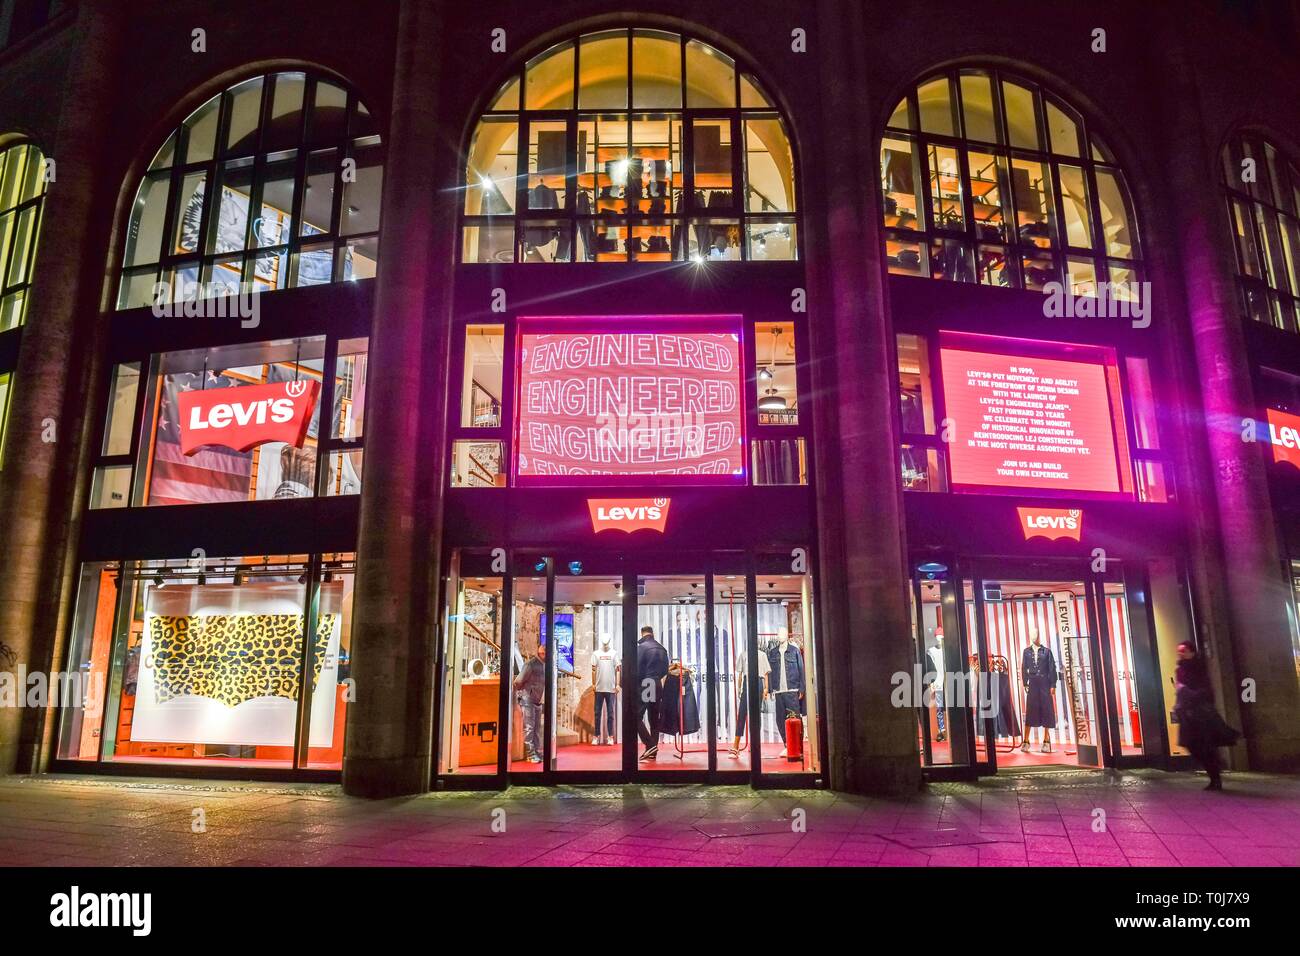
(864, 615)
(1256, 644)
(42, 485)
(390, 724)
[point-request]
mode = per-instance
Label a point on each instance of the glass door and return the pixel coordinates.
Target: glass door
(588, 639)
(673, 623)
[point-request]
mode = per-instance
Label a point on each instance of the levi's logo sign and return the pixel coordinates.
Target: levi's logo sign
(628, 514)
(1284, 436)
(1051, 523)
(244, 417)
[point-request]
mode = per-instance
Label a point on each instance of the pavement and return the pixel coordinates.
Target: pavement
(1134, 818)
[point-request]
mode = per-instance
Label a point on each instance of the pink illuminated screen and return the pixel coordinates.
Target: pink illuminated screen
(1029, 422)
(662, 405)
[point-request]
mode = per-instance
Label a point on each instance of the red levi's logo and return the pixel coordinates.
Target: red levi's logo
(1284, 436)
(245, 417)
(1051, 523)
(628, 514)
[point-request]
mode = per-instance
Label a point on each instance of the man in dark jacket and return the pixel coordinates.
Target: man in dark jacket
(1200, 728)
(651, 669)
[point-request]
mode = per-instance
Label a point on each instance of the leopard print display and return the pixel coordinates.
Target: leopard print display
(232, 658)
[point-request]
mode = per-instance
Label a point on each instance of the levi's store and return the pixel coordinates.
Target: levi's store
(211, 630)
(1047, 596)
(629, 530)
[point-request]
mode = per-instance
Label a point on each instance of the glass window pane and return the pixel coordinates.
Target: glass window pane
(323, 167)
(1031, 190)
(777, 390)
(1062, 131)
(713, 183)
(11, 175)
(1074, 205)
(905, 256)
(769, 167)
(915, 396)
(1116, 220)
(477, 464)
(245, 117)
(548, 80)
(602, 60)
(656, 166)
(471, 694)
(900, 173)
(987, 174)
(358, 259)
(492, 168)
(656, 70)
(144, 237)
(945, 188)
(362, 198)
(481, 393)
(350, 389)
(1082, 276)
(329, 699)
(778, 461)
(710, 77)
(343, 473)
(977, 107)
(1247, 254)
(899, 119)
(90, 651)
(789, 741)
(546, 241)
(285, 124)
(1038, 270)
(200, 132)
(21, 249)
(548, 164)
(189, 214)
(508, 98)
(772, 240)
(935, 102)
(488, 243)
(313, 265)
(11, 310)
(1022, 120)
(110, 487)
(1141, 396)
(229, 233)
(121, 409)
(137, 289)
(991, 267)
(329, 118)
(274, 225)
(751, 94)
(923, 468)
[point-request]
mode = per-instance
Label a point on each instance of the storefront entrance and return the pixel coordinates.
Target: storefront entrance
(607, 668)
(1022, 670)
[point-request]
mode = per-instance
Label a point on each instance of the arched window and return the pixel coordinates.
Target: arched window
(630, 145)
(22, 191)
(273, 184)
(990, 178)
(1263, 203)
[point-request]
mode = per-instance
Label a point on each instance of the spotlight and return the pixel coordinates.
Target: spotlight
(302, 578)
(239, 579)
(765, 374)
(203, 579)
(540, 566)
(575, 567)
(328, 576)
(158, 581)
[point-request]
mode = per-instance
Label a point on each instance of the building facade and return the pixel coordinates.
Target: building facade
(820, 395)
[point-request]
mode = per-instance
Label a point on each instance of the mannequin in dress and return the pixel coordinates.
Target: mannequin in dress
(935, 657)
(1039, 675)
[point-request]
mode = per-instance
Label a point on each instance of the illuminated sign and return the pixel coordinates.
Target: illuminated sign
(1284, 436)
(1029, 422)
(628, 514)
(1051, 523)
(249, 415)
(658, 403)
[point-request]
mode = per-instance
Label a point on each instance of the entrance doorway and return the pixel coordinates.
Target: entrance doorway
(604, 669)
(1025, 672)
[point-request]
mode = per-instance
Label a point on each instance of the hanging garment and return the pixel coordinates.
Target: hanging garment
(679, 712)
(1038, 671)
(1008, 725)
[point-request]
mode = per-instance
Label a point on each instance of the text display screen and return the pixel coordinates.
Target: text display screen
(1029, 422)
(660, 405)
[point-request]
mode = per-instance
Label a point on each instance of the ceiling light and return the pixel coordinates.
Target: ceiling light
(771, 402)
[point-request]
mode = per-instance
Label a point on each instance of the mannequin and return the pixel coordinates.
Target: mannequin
(785, 680)
(1039, 675)
(606, 678)
(935, 655)
(742, 699)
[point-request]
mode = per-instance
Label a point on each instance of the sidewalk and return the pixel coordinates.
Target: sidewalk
(1148, 818)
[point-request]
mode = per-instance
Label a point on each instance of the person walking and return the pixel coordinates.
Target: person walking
(651, 669)
(530, 689)
(1201, 731)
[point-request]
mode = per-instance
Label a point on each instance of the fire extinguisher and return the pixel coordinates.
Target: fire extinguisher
(794, 738)
(1136, 724)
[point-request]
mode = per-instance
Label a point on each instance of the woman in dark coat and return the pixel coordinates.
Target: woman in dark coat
(1201, 731)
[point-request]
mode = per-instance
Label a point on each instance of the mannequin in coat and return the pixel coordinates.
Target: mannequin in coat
(1039, 675)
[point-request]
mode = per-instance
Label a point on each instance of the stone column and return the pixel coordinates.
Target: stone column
(390, 724)
(864, 615)
(42, 485)
(1257, 641)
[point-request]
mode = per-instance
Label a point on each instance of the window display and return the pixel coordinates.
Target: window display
(200, 659)
(1051, 211)
(614, 187)
(288, 198)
